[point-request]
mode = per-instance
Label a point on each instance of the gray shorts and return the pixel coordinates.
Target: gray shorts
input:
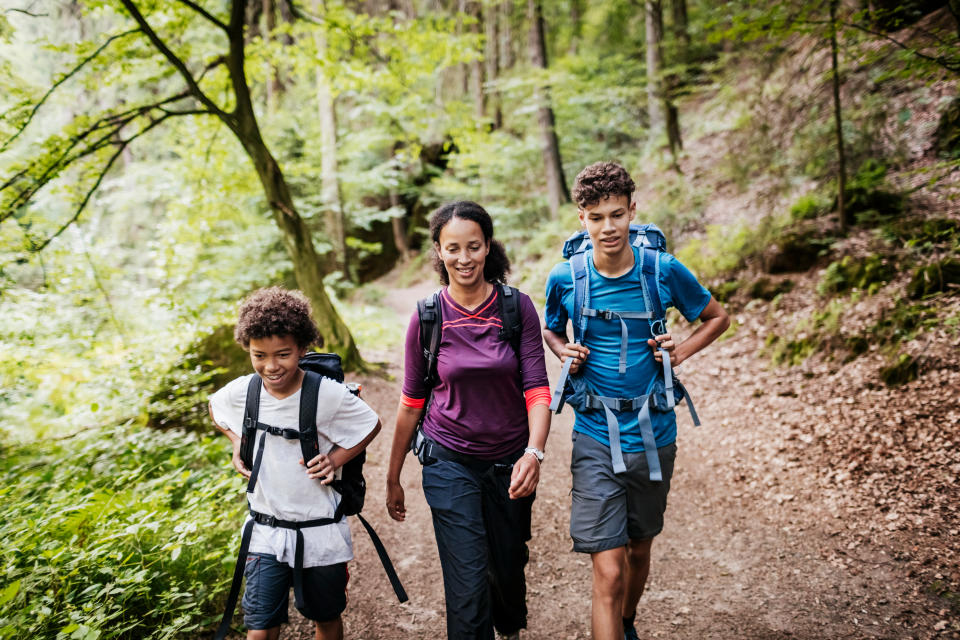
(267, 593)
(610, 509)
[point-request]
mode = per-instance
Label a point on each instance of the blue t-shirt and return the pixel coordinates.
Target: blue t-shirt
(678, 288)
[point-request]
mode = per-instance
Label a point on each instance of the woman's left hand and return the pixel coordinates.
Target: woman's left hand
(525, 476)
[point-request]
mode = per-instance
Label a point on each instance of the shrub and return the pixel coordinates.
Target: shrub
(856, 273)
(936, 277)
(124, 532)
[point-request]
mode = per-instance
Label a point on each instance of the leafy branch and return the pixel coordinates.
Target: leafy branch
(59, 82)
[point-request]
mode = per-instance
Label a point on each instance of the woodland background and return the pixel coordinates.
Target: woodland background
(160, 159)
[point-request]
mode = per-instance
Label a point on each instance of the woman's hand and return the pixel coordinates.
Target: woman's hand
(321, 467)
(395, 506)
(576, 351)
(525, 476)
(666, 343)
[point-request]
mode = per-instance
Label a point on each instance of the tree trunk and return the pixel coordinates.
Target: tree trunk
(576, 26)
(399, 228)
(507, 57)
(557, 193)
(654, 33)
(680, 29)
(273, 83)
(329, 167)
(837, 116)
(492, 62)
(472, 9)
(296, 233)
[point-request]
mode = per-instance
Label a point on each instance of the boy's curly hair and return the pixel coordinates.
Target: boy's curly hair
(275, 311)
(599, 181)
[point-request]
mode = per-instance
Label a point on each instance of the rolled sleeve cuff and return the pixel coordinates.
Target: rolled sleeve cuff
(413, 403)
(537, 395)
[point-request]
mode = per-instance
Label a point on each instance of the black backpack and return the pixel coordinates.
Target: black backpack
(351, 486)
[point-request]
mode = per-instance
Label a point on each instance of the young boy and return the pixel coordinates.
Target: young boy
(275, 326)
(615, 515)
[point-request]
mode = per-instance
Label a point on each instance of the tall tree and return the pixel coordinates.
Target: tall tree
(838, 120)
(664, 117)
(557, 193)
(329, 166)
(491, 59)
(91, 142)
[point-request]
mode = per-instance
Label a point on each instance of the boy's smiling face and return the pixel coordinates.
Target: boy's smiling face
(275, 359)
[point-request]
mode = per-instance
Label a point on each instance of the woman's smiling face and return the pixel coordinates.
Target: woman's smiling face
(463, 251)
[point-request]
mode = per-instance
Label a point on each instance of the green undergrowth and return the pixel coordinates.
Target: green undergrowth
(122, 532)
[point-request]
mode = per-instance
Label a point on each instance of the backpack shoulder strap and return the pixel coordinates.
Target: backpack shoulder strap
(512, 322)
(309, 443)
(251, 413)
(650, 281)
(581, 294)
(431, 320)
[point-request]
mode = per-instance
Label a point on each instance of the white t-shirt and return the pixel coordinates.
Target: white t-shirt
(283, 488)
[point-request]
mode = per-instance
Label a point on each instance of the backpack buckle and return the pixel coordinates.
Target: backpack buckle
(263, 518)
(605, 314)
(659, 326)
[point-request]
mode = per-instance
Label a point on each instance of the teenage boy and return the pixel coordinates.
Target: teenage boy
(615, 515)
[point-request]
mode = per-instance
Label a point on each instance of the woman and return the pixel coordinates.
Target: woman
(484, 432)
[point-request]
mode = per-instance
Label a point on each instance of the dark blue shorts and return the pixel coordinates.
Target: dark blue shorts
(267, 594)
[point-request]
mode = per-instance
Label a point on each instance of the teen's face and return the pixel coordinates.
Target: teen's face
(463, 251)
(275, 358)
(608, 224)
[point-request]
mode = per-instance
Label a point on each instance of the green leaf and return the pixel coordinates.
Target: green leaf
(9, 592)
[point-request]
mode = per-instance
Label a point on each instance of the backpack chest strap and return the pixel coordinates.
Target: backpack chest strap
(286, 434)
(607, 314)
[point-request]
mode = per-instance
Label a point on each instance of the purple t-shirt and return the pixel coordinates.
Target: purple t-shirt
(479, 406)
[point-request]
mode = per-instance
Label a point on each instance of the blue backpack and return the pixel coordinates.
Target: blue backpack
(664, 391)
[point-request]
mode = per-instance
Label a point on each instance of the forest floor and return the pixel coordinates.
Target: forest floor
(811, 504)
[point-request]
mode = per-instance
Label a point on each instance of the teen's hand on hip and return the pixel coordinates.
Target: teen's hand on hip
(238, 464)
(321, 467)
(576, 351)
(525, 476)
(666, 343)
(395, 506)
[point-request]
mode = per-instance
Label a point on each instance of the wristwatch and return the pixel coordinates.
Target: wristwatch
(536, 453)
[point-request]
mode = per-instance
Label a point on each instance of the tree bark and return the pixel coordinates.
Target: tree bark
(475, 75)
(296, 233)
(557, 193)
(680, 29)
(399, 228)
(329, 166)
(838, 120)
(654, 33)
(492, 63)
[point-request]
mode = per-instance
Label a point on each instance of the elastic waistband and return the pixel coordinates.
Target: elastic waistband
(434, 449)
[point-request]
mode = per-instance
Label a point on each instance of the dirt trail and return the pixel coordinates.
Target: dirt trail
(750, 550)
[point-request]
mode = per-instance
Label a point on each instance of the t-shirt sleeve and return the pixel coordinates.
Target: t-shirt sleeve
(681, 288)
(532, 364)
(352, 421)
(228, 403)
(414, 369)
(554, 313)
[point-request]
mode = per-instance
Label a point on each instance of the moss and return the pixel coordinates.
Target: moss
(942, 275)
(796, 250)
(180, 398)
(809, 206)
(947, 135)
(724, 290)
(848, 273)
(905, 369)
(867, 201)
(928, 232)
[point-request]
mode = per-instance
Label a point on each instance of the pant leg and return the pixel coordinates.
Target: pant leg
(507, 525)
(454, 495)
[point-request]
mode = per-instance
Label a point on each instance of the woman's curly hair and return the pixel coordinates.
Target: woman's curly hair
(496, 266)
(599, 181)
(275, 311)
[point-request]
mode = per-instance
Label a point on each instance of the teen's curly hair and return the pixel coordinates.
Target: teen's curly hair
(275, 311)
(599, 181)
(496, 266)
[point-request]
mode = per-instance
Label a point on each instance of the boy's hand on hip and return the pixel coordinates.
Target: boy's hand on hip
(666, 343)
(525, 477)
(321, 467)
(576, 351)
